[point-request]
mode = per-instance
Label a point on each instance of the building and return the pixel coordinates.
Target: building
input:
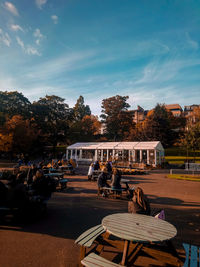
(176, 109)
(189, 112)
(139, 114)
(151, 153)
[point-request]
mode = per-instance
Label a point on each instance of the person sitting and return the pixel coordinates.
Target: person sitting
(109, 169)
(102, 180)
(90, 171)
(31, 173)
(116, 178)
(96, 165)
(139, 203)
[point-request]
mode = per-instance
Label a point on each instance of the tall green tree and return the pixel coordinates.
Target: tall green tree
(116, 117)
(80, 110)
(159, 125)
(18, 136)
(52, 116)
(191, 138)
(14, 103)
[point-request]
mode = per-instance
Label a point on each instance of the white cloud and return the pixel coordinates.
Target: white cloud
(16, 28)
(5, 38)
(30, 50)
(11, 8)
(55, 19)
(40, 3)
(38, 35)
(20, 43)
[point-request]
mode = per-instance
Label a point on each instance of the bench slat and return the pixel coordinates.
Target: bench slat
(93, 260)
(87, 238)
(191, 255)
(187, 251)
(194, 257)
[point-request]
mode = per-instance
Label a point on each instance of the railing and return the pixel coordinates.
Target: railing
(192, 166)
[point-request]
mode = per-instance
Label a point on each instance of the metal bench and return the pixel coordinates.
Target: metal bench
(192, 255)
(93, 260)
(86, 239)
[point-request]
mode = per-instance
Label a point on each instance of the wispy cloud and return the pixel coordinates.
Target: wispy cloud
(20, 43)
(11, 8)
(38, 35)
(5, 38)
(63, 64)
(192, 43)
(16, 28)
(40, 3)
(30, 50)
(55, 19)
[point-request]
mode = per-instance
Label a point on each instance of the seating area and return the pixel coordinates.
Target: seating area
(123, 231)
(78, 214)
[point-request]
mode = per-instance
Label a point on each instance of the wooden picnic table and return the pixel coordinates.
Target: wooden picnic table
(67, 168)
(138, 228)
(54, 174)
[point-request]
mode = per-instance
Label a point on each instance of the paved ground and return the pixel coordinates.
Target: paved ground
(50, 241)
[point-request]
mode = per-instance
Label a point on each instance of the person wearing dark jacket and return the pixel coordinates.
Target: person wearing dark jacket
(102, 180)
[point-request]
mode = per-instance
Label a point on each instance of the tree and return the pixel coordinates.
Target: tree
(116, 117)
(159, 125)
(14, 103)
(18, 135)
(85, 130)
(191, 138)
(52, 116)
(80, 110)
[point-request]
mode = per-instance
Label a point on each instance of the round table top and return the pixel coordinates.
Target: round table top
(138, 228)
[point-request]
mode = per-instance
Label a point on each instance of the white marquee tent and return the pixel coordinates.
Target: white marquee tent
(151, 153)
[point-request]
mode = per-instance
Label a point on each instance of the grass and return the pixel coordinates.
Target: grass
(188, 177)
(180, 159)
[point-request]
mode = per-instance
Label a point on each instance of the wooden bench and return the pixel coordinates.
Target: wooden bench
(94, 260)
(192, 255)
(113, 192)
(63, 183)
(95, 175)
(86, 239)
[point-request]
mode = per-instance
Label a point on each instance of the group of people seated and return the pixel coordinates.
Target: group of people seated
(22, 188)
(139, 202)
(99, 166)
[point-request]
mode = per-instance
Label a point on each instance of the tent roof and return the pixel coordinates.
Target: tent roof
(118, 145)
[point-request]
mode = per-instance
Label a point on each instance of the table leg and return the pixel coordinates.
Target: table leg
(125, 252)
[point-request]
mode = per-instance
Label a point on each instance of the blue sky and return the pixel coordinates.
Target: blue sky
(148, 50)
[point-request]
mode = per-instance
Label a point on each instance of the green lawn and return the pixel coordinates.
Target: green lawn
(185, 177)
(180, 159)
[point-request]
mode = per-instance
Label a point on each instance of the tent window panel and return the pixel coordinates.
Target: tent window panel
(151, 156)
(144, 156)
(88, 154)
(137, 156)
(104, 155)
(99, 154)
(125, 156)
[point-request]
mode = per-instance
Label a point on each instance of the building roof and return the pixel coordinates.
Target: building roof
(118, 145)
(173, 106)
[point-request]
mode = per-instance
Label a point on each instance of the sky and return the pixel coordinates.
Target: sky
(148, 50)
